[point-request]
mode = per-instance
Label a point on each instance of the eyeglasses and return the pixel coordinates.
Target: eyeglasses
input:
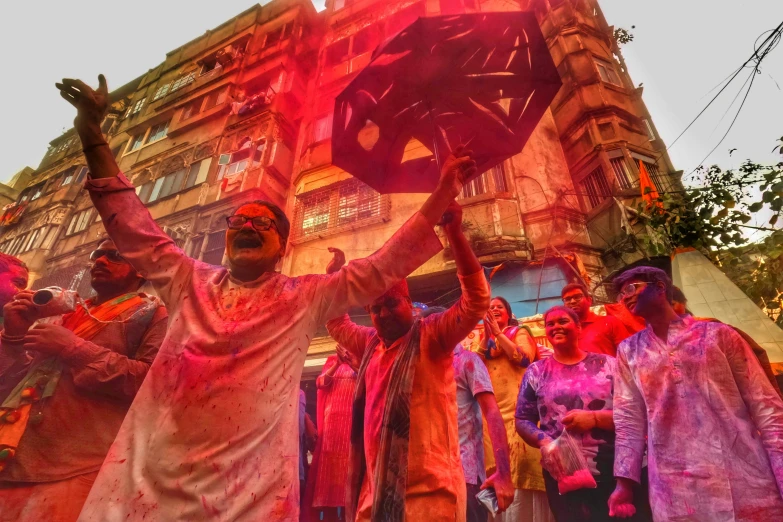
(632, 289)
(389, 304)
(112, 255)
(260, 223)
(573, 298)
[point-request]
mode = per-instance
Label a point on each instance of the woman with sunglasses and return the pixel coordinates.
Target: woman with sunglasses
(572, 390)
(507, 348)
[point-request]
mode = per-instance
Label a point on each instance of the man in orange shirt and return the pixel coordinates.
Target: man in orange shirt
(405, 460)
(600, 333)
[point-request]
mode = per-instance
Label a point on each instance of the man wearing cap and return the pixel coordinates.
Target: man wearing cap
(713, 424)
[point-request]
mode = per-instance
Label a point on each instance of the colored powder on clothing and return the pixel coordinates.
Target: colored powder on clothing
(580, 479)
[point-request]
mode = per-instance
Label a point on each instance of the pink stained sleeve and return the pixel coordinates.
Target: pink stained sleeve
(453, 325)
(349, 334)
(139, 239)
(762, 400)
(630, 421)
(362, 280)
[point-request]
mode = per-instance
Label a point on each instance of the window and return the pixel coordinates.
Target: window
(72, 175)
(492, 181)
(354, 45)
(36, 192)
(338, 51)
(158, 132)
(336, 205)
(137, 106)
(595, 188)
(356, 201)
(314, 211)
(182, 81)
(238, 161)
(79, 221)
(322, 128)
(214, 98)
(281, 33)
(649, 129)
(194, 248)
(172, 183)
(162, 91)
(216, 246)
(136, 142)
(625, 179)
(191, 109)
(607, 72)
(661, 181)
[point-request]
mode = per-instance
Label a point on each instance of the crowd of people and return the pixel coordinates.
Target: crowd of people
(185, 405)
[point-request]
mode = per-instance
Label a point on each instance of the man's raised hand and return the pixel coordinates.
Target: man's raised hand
(336, 262)
(452, 218)
(457, 168)
(91, 104)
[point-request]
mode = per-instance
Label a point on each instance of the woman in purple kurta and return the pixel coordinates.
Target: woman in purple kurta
(572, 390)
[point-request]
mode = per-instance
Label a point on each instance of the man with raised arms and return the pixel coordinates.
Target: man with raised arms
(209, 434)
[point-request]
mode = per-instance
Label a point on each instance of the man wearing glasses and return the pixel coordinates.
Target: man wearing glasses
(66, 385)
(713, 422)
(210, 434)
(600, 333)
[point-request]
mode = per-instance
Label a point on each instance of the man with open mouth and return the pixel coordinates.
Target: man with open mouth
(209, 435)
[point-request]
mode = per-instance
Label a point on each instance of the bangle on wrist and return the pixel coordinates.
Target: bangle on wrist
(12, 339)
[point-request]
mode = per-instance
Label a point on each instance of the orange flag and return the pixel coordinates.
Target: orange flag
(649, 192)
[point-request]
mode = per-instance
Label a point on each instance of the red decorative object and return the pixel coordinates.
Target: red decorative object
(484, 80)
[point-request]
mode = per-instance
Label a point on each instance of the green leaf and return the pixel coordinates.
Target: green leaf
(755, 207)
(729, 204)
(773, 220)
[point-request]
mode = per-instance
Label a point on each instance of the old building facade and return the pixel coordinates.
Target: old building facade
(244, 112)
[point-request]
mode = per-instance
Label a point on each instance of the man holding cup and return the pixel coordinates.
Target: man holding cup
(66, 384)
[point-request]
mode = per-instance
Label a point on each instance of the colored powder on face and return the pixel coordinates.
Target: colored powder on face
(578, 480)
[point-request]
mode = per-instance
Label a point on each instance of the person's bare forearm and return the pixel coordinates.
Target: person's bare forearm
(604, 420)
(497, 432)
(464, 257)
(436, 204)
(100, 159)
(531, 433)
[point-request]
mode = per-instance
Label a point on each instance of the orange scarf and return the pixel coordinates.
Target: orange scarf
(42, 377)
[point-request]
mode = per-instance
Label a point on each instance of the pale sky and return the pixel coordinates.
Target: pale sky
(682, 49)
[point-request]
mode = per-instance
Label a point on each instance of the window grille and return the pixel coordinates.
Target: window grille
(595, 188)
(491, 181)
(335, 206)
(624, 178)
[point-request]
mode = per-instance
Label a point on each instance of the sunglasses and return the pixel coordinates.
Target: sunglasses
(112, 255)
(260, 223)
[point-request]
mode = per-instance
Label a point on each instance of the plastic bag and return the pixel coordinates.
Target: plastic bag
(563, 459)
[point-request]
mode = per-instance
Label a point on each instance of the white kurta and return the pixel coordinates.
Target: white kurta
(714, 424)
(212, 434)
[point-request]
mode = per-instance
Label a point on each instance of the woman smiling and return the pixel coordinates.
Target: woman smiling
(572, 390)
